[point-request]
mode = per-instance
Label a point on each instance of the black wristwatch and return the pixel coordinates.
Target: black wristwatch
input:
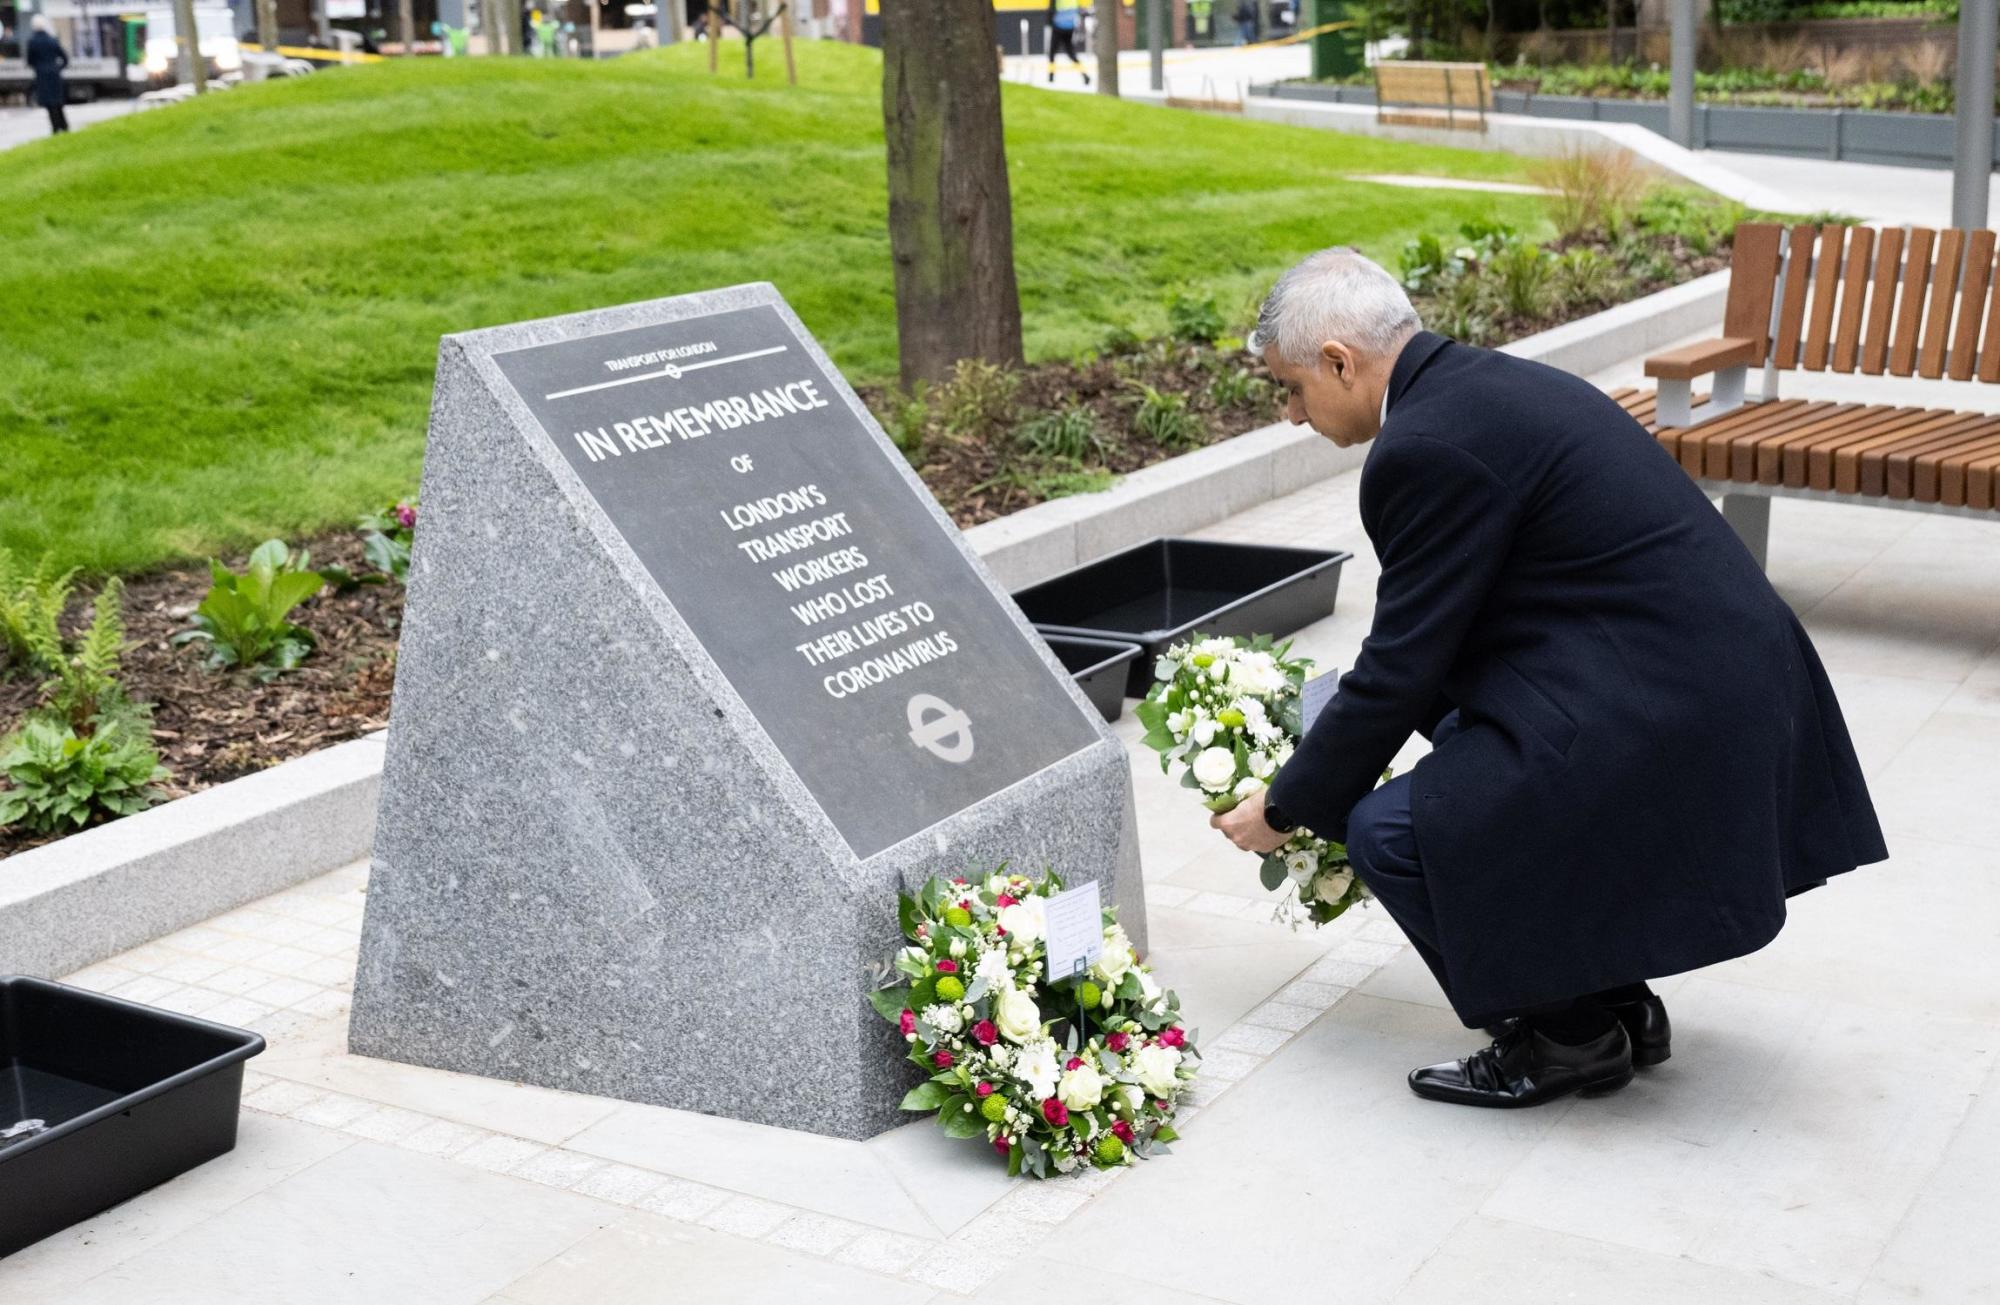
(1279, 822)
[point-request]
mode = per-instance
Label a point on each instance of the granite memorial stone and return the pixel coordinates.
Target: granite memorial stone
(694, 676)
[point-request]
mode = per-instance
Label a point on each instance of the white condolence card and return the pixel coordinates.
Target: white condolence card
(1314, 694)
(1076, 930)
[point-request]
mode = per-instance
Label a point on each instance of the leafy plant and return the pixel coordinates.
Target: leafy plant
(1166, 419)
(387, 536)
(1239, 388)
(1070, 432)
(243, 619)
(1193, 320)
(1522, 275)
(910, 417)
(1586, 278)
(979, 398)
(1118, 341)
(58, 779)
(83, 684)
(31, 603)
(1425, 261)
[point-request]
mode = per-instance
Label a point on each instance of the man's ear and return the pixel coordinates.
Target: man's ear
(1340, 359)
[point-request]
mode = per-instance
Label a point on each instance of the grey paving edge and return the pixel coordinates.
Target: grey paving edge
(74, 902)
(108, 889)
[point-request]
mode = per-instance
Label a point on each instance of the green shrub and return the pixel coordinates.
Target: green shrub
(909, 421)
(1424, 262)
(1585, 277)
(1194, 321)
(1521, 274)
(31, 604)
(58, 779)
(1070, 433)
(1239, 388)
(243, 619)
(1166, 419)
(1118, 341)
(979, 398)
(83, 680)
(387, 536)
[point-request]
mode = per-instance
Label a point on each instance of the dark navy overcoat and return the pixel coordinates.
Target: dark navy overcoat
(45, 55)
(1652, 758)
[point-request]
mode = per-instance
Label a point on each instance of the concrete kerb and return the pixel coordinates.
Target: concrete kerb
(73, 902)
(76, 901)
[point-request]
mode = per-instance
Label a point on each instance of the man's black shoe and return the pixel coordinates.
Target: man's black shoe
(1646, 1026)
(1526, 1068)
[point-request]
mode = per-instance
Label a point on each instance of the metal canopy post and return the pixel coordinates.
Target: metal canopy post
(1972, 154)
(1680, 88)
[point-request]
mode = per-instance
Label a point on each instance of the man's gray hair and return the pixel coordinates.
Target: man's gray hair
(1336, 294)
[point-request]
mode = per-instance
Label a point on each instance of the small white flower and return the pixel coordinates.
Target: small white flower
(1037, 1067)
(993, 968)
(958, 948)
(1215, 769)
(1115, 959)
(1301, 865)
(1082, 1088)
(1155, 1066)
(1247, 785)
(1017, 1015)
(1331, 888)
(945, 1019)
(1148, 989)
(1262, 766)
(1203, 732)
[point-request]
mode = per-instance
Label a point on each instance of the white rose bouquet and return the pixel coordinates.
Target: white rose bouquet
(1224, 716)
(1086, 1070)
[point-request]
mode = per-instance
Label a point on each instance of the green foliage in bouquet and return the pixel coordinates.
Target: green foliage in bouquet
(244, 618)
(58, 779)
(1087, 1070)
(1225, 715)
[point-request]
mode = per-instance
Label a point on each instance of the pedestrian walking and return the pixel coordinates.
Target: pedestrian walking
(46, 57)
(1065, 17)
(1246, 21)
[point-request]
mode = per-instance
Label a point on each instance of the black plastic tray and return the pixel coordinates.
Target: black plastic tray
(1164, 590)
(1099, 667)
(131, 1096)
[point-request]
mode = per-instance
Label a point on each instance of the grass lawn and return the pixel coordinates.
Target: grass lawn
(224, 316)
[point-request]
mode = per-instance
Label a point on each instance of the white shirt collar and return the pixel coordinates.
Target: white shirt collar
(1385, 406)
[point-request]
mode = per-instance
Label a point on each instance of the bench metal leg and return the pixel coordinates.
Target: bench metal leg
(1749, 515)
(1672, 406)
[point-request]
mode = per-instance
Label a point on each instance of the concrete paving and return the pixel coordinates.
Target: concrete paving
(1824, 1132)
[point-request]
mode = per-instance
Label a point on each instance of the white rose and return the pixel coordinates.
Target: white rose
(1025, 921)
(1036, 1066)
(1082, 1088)
(1155, 1066)
(1334, 887)
(1017, 1015)
(1214, 770)
(1135, 1100)
(1204, 732)
(1301, 865)
(1115, 959)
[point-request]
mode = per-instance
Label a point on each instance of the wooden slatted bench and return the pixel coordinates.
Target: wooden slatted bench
(1414, 93)
(1895, 302)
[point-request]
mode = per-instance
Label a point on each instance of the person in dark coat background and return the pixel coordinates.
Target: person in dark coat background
(45, 56)
(1636, 754)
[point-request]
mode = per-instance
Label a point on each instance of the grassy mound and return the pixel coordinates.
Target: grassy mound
(227, 313)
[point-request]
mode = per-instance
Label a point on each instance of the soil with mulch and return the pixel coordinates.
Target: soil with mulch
(213, 726)
(980, 478)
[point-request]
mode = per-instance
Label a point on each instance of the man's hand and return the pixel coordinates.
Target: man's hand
(1243, 825)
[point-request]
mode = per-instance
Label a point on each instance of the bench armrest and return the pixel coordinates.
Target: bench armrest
(1690, 361)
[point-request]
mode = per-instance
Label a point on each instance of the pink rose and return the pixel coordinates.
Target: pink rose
(1003, 1146)
(985, 1034)
(958, 879)
(406, 515)
(947, 967)
(1055, 1112)
(1075, 1062)
(1003, 901)
(942, 1060)
(1173, 1037)
(984, 1089)
(1123, 1131)
(907, 1022)
(1118, 1042)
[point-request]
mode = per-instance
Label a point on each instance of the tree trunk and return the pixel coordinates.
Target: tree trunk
(193, 66)
(1107, 47)
(406, 19)
(951, 222)
(267, 25)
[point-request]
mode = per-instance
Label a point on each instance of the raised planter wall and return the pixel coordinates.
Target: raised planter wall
(1918, 140)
